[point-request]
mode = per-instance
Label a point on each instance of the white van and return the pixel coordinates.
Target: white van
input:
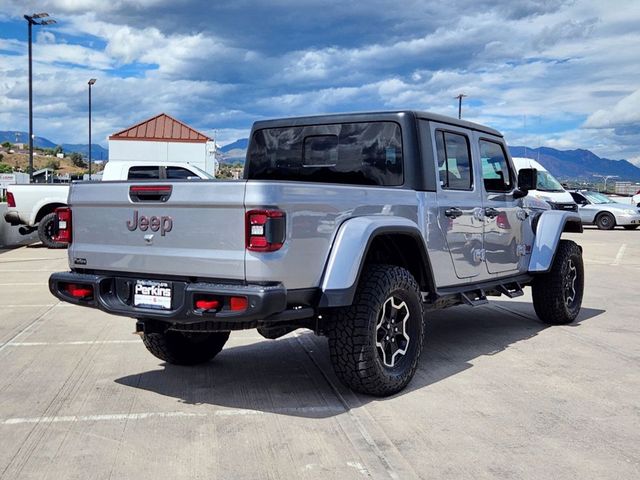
(548, 188)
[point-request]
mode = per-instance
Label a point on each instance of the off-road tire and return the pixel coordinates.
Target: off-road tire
(353, 332)
(630, 227)
(180, 348)
(557, 296)
(605, 221)
(45, 231)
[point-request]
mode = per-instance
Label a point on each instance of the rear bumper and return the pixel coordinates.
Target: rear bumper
(13, 218)
(114, 294)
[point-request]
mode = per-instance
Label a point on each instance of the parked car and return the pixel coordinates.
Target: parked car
(350, 225)
(548, 189)
(33, 206)
(597, 209)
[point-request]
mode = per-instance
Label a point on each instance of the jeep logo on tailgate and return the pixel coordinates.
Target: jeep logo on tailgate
(163, 223)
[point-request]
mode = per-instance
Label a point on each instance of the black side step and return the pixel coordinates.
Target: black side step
(511, 290)
(474, 297)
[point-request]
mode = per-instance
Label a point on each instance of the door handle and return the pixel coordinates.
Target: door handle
(453, 212)
(491, 212)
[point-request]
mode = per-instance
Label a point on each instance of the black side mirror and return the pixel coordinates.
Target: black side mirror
(527, 180)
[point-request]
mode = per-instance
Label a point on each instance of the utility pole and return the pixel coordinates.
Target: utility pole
(31, 21)
(460, 97)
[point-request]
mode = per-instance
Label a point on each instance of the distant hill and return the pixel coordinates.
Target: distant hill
(13, 136)
(240, 144)
(578, 164)
(97, 152)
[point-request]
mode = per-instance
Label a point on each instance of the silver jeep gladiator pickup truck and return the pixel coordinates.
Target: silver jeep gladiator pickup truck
(352, 225)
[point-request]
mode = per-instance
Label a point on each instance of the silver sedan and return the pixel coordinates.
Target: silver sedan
(599, 210)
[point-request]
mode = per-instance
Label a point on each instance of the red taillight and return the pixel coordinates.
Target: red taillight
(502, 221)
(63, 229)
(265, 230)
(207, 304)
(11, 202)
(79, 290)
(238, 303)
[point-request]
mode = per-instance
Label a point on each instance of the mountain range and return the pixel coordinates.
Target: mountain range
(577, 164)
(97, 151)
(564, 164)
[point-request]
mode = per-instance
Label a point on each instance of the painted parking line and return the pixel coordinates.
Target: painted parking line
(620, 254)
(32, 305)
(117, 417)
(32, 259)
(80, 342)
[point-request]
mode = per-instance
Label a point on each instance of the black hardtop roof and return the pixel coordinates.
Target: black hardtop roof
(370, 116)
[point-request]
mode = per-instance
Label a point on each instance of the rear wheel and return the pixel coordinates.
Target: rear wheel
(180, 348)
(605, 221)
(630, 227)
(557, 294)
(46, 229)
(375, 344)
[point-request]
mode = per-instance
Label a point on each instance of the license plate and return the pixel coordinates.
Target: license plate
(152, 294)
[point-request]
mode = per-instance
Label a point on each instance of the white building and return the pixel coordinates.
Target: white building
(164, 139)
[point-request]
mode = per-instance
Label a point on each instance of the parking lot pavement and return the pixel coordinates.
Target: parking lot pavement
(497, 394)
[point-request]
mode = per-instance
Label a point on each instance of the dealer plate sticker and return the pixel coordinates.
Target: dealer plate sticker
(152, 294)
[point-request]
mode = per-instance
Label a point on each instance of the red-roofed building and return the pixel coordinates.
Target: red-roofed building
(163, 139)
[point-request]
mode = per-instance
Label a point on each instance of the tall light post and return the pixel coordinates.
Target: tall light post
(31, 21)
(606, 177)
(90, 82)
(460, 97)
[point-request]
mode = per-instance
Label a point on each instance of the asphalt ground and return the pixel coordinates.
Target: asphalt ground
(497, 394)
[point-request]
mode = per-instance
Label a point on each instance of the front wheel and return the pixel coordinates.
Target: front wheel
(605, 221)
(180, 348)
(375, 343)
(557, 294)
(46, 229)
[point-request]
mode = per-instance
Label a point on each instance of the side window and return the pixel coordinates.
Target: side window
(454, 161)
(579, 199)
(179, 173)
(144, 173)
(495, 168)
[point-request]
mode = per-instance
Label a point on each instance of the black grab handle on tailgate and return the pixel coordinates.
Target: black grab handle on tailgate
(150, 193)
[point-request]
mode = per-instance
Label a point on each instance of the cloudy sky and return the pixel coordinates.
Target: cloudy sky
(559, 73)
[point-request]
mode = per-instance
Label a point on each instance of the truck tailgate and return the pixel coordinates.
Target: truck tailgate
(197, 232)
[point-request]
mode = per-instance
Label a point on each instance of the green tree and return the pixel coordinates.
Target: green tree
(77, 160)
(57, 150)
(7, 145)
(4, 168)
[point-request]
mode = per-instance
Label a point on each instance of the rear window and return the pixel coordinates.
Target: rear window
(354, 153)
(144, 173)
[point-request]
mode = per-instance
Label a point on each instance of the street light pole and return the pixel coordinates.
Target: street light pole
(91, 82)
(460, 97)
(605, 178)
(31, 21)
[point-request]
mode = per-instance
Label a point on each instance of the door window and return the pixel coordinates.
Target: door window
(454, 161)
(179, 173)
(496, 173)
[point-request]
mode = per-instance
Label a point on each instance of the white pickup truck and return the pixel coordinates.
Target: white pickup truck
(33, 206)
